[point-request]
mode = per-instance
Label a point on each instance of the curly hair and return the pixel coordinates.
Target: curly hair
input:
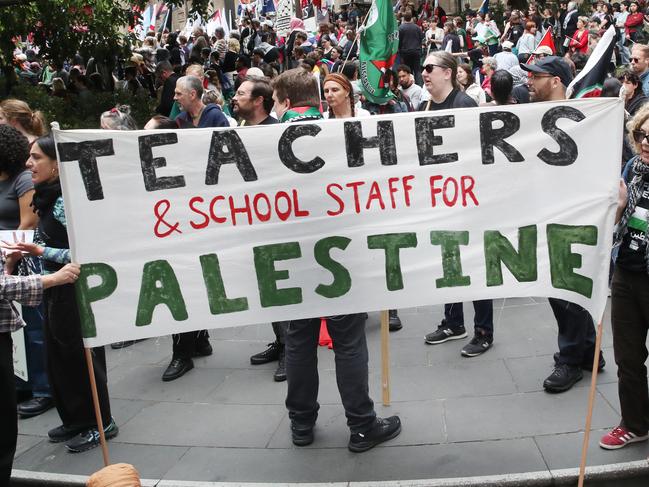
(14, 151)
(638, 120)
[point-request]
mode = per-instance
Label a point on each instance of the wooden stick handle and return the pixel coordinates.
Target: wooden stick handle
(95, 403)
(591, 403)
(385, 358)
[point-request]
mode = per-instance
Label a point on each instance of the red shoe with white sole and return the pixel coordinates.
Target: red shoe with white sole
(619, 438)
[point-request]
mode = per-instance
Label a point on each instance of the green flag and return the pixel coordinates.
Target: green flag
(379, 45)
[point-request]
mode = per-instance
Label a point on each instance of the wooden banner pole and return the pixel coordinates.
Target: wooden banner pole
(591, 403)
(385, 357)
(95, 403)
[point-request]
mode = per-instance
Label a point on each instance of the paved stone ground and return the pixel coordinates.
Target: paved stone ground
(226, 421)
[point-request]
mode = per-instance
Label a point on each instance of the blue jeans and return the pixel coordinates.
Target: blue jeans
(576, 333)
(484, 316)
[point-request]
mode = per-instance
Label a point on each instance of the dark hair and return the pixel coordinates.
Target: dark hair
(164, 123)
(405, 68)
(46, 144)
(630, 76)
(611, 88)
(14, 151)
(579, 59)
(350, 69)
(502, 84)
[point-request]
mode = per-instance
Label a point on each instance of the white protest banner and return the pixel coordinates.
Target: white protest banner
(207, 228)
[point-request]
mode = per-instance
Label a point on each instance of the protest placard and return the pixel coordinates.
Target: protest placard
(208, 228)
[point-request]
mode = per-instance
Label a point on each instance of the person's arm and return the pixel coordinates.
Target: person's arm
(28, 219)
(622, 199)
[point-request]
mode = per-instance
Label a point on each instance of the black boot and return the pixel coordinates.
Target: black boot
(271, 354)
(394, 322)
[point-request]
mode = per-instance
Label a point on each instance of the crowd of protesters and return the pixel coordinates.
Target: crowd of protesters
(253, 76)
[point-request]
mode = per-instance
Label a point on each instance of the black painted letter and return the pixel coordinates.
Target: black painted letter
(235, 153)
(285, 149)
(87, 153)
(491, 137)
(568, 150)
(384, 140)
(150, 163)
(427, 140)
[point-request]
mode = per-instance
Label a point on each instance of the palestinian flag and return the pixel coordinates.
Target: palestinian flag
(546, 40)
(379, 45)
(591, 79)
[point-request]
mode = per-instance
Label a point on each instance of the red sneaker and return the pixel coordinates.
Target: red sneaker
(619, 438)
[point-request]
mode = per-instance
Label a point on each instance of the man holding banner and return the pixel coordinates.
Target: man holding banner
(549, 78)
(297, 98)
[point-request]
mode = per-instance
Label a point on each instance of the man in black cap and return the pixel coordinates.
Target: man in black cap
(548, 80)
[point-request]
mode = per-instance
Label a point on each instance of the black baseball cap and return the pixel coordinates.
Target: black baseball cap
(551, 65)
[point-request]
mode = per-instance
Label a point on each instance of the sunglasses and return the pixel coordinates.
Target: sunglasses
(639, 136)
(429, 67)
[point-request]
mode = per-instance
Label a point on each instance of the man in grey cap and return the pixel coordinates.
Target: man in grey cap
(548, 80)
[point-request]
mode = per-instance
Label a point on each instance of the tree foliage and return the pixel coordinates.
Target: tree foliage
(61, 28)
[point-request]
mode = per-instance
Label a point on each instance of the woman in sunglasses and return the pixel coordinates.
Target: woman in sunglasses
(630, 292)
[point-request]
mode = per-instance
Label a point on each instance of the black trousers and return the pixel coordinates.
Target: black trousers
(184, 344)
(630, 320)
(576, 333)
(66, 361)
(8, 417)
(279, 328)
(483, 320)
(412, 59)
(350, 349)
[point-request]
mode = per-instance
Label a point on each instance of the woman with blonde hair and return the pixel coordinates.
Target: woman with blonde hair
(18, 114)
(630, 292)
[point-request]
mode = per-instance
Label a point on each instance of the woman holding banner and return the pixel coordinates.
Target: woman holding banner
(66, 364)
(630, 292)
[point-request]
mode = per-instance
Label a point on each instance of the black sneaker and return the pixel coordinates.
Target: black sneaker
(562, 378)
(301, 436)
(280, 373)
(384, 429)
(478, 345)
(89, 439)
(445, 333)
(269, 355)
(64, 433)
(394, 322)
(177, 368)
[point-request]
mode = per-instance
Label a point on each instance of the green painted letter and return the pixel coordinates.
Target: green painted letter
(219, 302)
(267, 275)
(563, 261)
(87, 295)
(391, 243)
(342, 282)
(159, 286)
(451, 263)
(521, 264)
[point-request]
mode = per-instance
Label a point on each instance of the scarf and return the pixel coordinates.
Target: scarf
(45, 196)
(297, 114)
(639, 170)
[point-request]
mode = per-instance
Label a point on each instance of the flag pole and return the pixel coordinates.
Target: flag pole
(95, 403)
(385, 357)
(591, 403)
(342, 66)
